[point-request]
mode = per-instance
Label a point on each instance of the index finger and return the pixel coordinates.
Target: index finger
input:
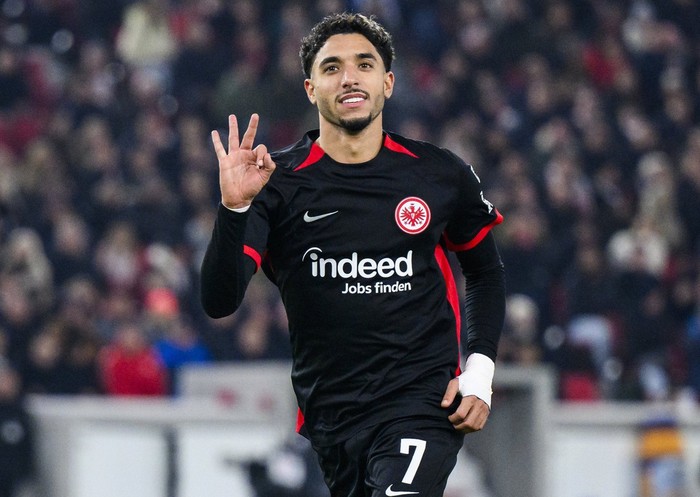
(249, 136)
(218, 146)
(232, 133)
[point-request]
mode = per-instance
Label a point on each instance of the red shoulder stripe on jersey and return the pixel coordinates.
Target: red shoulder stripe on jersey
(314, 156)
(300, 420)
(479, 236)
(253, 254)
(452, 298)
(397, 147)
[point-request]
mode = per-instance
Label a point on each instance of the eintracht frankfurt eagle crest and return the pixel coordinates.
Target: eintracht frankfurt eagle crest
(412, 215)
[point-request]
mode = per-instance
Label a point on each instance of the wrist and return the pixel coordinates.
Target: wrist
(237, 208)
(477, 378)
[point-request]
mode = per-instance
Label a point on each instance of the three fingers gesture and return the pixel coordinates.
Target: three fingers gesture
(243, 170)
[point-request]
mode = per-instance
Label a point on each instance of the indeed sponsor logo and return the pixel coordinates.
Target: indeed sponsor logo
(354, 266)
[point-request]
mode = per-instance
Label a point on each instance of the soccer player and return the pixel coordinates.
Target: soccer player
(352, 223)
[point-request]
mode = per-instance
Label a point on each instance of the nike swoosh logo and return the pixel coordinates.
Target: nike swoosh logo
(311, 219)
(394, 493)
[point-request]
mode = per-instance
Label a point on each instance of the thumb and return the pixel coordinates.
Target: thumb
(450, 393)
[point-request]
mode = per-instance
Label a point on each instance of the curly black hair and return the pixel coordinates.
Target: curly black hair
(346, 23)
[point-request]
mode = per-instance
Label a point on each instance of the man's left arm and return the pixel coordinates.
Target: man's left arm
(484, 310)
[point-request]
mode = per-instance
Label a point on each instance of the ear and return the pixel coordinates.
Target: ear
(388, 84)
(310, 90)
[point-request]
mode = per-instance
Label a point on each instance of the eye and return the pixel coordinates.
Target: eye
(330, 68)
(365, 65)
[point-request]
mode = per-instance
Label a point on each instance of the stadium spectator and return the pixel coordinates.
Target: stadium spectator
(692, 342)
(16, 438)
(145, 40)
(688, 192)
(520, 339)
(129, 364)
(180, 345)
(69, 247)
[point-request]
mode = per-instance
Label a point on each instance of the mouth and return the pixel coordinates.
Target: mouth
(354, 99)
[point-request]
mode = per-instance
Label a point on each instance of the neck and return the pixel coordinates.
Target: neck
(350, 148)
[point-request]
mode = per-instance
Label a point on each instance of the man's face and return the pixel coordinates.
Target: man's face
(349, 82)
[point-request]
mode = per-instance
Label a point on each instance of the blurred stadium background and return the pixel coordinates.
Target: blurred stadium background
(580, 116)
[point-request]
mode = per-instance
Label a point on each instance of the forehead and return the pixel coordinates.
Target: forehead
(345, 46)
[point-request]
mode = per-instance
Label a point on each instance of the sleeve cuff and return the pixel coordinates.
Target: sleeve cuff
(477, 377)
(238, 209)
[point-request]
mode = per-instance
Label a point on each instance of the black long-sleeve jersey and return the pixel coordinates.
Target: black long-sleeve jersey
(358, 252)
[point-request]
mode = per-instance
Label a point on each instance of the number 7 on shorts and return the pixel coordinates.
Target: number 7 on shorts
(406, 444)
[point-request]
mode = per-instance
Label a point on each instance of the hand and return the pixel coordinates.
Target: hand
(243, 170)
(471, 413)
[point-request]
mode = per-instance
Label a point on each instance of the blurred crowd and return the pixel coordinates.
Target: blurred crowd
(580, 116)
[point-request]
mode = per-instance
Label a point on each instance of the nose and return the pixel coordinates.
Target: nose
(349, 77)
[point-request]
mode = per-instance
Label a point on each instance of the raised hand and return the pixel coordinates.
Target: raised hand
(243, 170)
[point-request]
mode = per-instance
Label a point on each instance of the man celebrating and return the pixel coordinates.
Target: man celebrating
(352, 223)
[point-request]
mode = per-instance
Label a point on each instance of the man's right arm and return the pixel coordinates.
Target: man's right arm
(243, 172)
(226, 270)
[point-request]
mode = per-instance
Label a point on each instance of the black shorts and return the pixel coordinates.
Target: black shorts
(408, 456)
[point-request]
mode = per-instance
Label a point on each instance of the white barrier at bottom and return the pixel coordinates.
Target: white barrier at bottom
(199, 443)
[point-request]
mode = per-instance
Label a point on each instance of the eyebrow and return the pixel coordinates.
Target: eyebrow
(335, 58)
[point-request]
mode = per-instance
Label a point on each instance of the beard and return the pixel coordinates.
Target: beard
(356, 125)
(352, 125)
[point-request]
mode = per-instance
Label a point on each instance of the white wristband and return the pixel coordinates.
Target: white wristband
(238, 209)
(477, 377)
